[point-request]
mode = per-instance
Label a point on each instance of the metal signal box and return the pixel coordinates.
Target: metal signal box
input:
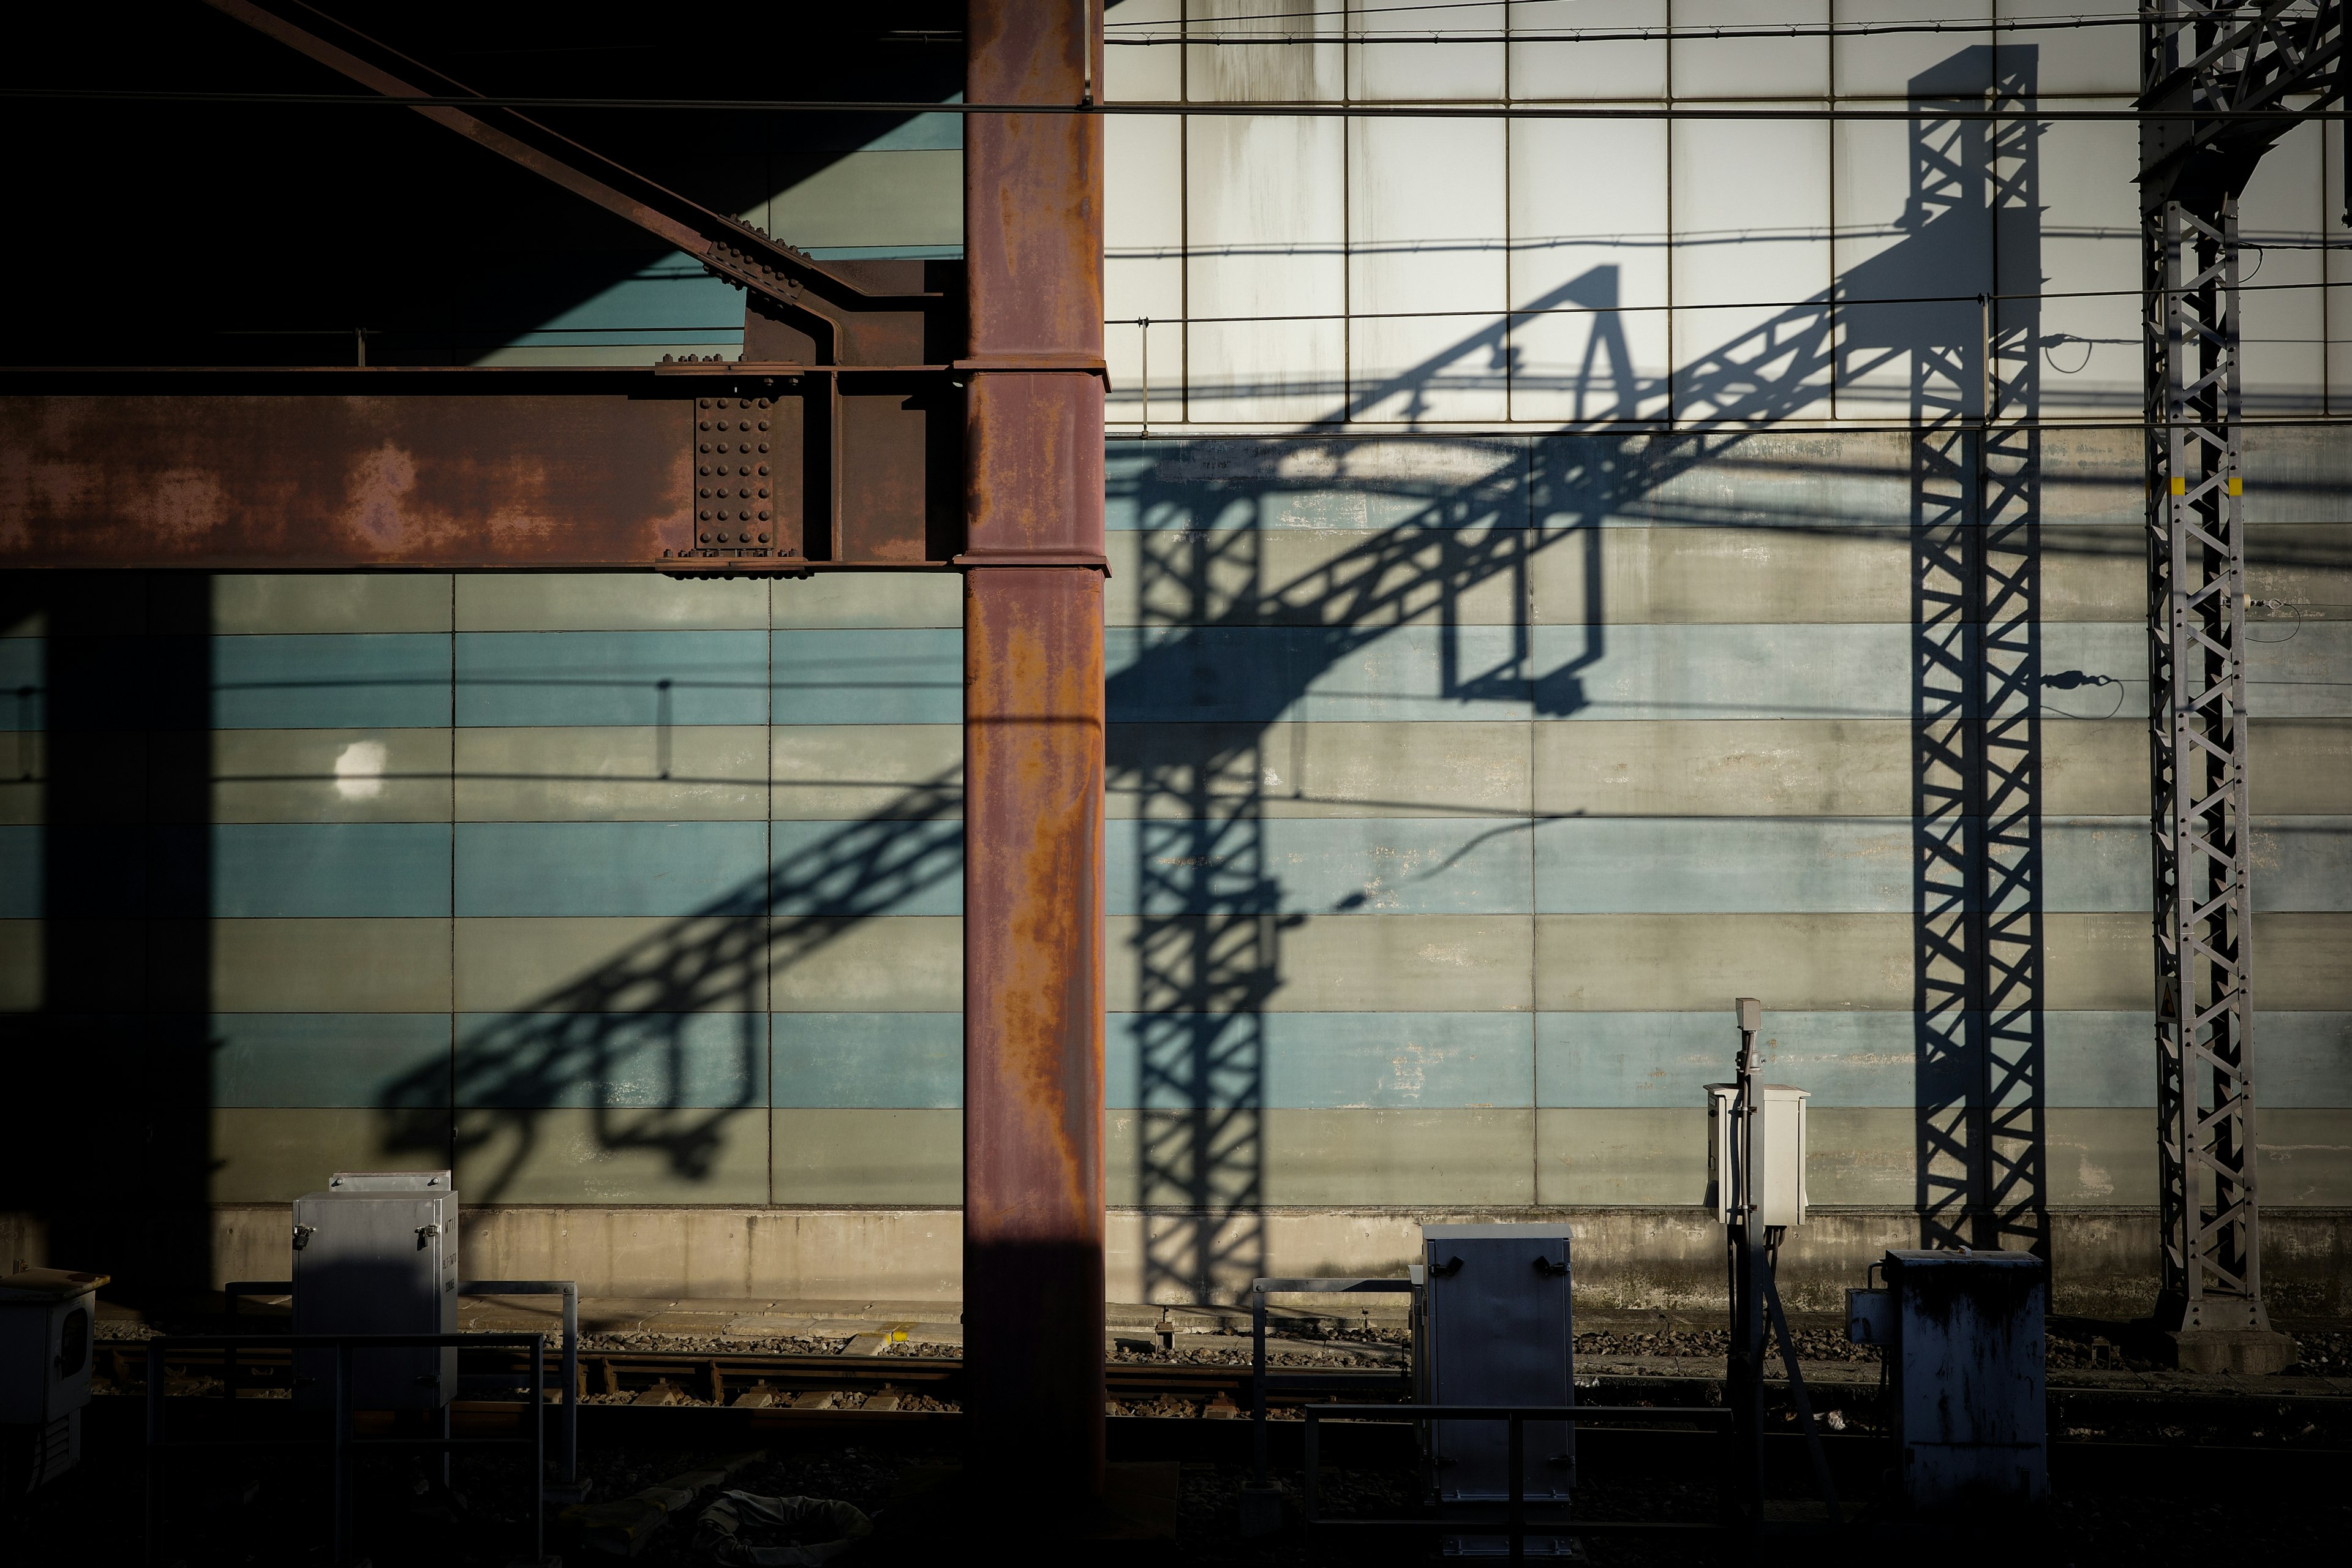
(46, 1316)
(376, 1253)
(1779, 1163)
(1493, 1327)
(1962, 1335)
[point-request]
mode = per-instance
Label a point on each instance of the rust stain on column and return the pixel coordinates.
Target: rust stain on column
(1034, 755)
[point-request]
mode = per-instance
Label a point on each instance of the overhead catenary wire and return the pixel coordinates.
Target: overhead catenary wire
(1350, 13)
(1282, 107)
(1727, 32)
(1828, 303)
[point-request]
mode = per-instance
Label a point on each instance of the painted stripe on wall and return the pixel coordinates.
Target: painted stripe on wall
(609, 867)
(1873, 1060)
(873, 1060)
(527, 1060)
(508, 678)
(908, 676)
(297, 1060)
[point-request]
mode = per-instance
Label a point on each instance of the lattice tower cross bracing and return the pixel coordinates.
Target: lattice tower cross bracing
(2199, 66)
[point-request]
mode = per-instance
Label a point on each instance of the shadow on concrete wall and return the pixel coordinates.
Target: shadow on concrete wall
(108, 1148)
(1211, 910)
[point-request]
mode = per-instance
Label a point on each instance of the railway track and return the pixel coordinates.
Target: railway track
(758, 1380)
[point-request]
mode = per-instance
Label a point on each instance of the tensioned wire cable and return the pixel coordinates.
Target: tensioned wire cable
(1827, 304)
(1940, 109)
(1731, 31)
(1352, 13)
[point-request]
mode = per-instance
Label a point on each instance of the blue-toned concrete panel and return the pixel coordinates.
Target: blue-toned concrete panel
(24, 683)
(1808, 481)
(1832, 865)
(1408, 866)
(371, 682)
(324, 869)
(1723, 671)
(1259, 674)
(610, 867)
(1309, 484)
(2302, 865)
(910, 675)
(537, 1061)
(869, 1060)
(2299, 671)
(1319, 1060)
(867, 867)
(521, 678)
(268, 1061)
(1866, 1060)
(20, 873)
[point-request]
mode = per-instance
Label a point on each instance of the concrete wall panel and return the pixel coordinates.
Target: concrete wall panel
(559, 869)
(859, 1156)
(1332, 963)
(613, 1156)
(315, 682)
(336, 603)
(541, 965)
(1475, 768)
(820, 773)
(879, 1061)
(274, 1156)
(631, 773)
(328, 1060)
(330, 775)
(364, 965)
(669, 677)
(606, 602)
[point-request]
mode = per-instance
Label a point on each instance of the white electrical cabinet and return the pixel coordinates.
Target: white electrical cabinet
(1779, 1167)
(46, 1316)
(376, 1253)
(1493, 1327)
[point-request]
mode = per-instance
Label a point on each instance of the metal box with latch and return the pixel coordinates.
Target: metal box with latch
(376, 1253)
(1493, 1327)
(1779, 1167)
(44, 1355)
(1962, 1335)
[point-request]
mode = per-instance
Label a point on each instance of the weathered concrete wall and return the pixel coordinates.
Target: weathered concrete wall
(1628, 1259)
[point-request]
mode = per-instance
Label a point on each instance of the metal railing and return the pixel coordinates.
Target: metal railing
(344, 1442)
(1514, 1521)
(567, 1451)
(1259, 1379)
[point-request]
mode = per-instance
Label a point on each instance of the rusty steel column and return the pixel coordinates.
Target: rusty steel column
(1032, 1249)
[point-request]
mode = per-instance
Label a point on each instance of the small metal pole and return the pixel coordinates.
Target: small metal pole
(154, 1435)
(570, 1454)
(342, 1456)
(1745, 1372)
(538, 1448)
(1312, 1438)
(1257, 1384)
(1515, 1512)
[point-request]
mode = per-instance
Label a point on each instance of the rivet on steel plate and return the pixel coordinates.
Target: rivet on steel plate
(763, 538)
(706, 539)
(705, 403)
(763, 469)
(762, 405)
(764, 425)
(763, 517)
(763, 446)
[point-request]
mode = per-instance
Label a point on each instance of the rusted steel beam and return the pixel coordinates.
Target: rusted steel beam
(265, 482)
(1033, 751)
(694, 468)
